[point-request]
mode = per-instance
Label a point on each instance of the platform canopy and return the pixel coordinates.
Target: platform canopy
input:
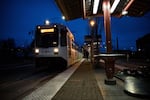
(73, 9)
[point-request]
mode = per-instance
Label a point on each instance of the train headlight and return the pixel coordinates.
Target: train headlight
(36, 51)
(56, 50)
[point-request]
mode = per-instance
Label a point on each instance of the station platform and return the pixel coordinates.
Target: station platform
(81, 82)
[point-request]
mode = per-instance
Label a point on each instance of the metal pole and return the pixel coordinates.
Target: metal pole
(109, 61)
(92, 23)
(107, 20)
(92, 37)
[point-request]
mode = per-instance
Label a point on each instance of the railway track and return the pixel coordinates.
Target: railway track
(15, 83)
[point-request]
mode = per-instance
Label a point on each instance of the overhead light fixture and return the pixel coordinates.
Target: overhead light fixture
(95, 6)
(124, 12)
(116, 2)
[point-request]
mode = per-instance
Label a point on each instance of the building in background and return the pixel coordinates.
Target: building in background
(143, 46)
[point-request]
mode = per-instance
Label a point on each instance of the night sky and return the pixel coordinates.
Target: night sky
(18, 18)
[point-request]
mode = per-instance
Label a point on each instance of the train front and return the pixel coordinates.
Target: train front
(50, 49)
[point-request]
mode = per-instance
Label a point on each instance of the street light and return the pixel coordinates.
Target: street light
(47, 22)
(92, 23)
(63, 17)
(60, 19)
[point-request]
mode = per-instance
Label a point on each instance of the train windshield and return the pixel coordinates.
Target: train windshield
(47, 37)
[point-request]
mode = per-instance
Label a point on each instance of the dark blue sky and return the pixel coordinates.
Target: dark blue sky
(19, 17)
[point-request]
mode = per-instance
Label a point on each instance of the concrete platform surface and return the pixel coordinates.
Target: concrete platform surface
(81, 82)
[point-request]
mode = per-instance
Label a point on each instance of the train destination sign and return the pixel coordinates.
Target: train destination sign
(47, 30)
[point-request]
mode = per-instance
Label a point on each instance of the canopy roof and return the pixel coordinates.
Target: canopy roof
(73, 9)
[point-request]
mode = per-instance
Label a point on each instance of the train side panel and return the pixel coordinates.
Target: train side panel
(74, 57)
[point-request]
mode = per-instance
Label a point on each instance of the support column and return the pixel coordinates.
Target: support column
(109, 61)
(107, 21)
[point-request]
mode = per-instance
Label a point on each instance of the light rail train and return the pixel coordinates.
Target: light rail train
(55, 46)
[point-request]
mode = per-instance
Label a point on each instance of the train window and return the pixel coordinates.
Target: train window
(63, 37)
(47, 40)
(68, 42)
(73, 45)
(69, 46)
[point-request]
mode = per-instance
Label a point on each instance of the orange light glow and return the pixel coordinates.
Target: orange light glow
(47, 30)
